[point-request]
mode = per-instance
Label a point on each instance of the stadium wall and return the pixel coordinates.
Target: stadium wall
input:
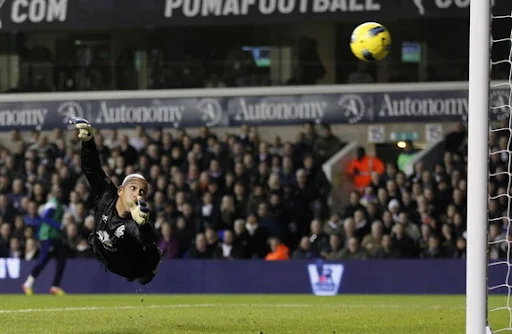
(261, 277)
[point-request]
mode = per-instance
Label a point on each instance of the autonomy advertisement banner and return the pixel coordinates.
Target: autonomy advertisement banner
(25, 15)
(352, 108)
(273, 277)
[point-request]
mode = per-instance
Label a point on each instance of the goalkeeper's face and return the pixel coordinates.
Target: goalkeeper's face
(131, 191)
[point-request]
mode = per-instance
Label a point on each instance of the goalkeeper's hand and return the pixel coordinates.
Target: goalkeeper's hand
(140, 211)
(84, 128)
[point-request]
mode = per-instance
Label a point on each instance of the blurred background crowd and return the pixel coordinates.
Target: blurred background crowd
(241, 196)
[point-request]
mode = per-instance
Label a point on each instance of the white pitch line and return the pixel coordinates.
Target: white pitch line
(133, 307)
(100, 308)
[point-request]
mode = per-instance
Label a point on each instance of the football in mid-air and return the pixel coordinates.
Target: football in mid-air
(370, 42)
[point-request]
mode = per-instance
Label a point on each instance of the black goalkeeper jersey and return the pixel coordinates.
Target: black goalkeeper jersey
(126, 248)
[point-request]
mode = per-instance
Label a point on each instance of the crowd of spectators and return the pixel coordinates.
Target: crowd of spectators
(201, 187)
(241, 197)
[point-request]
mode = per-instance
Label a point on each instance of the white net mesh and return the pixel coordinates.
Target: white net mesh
(500, 180)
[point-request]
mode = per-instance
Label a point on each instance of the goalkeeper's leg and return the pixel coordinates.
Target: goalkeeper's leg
(42, 261)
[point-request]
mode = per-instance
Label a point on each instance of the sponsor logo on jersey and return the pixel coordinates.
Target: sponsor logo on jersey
(119, 233)
(106, 241)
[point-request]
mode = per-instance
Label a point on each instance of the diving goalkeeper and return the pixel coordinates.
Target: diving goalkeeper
(123, 239)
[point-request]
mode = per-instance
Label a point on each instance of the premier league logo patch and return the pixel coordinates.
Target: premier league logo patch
(325, 279)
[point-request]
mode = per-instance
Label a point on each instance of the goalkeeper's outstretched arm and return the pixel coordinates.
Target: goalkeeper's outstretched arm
(90, 160)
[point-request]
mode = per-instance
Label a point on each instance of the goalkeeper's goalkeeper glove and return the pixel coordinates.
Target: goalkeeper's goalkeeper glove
(84, 128)
(140, 212)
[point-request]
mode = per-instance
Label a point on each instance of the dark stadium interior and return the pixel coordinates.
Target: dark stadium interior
(263, 55)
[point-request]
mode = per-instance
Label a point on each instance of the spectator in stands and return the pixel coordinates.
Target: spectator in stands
(353, 205)
(7, 212)
(304, 252)
(403, 244)
(334, 225)
(372, 242)
(212, 239)
(31, 251)
(17, 194)
(19, 227)
(434, 250)
(278, 250)
(200, 249)
(334, 250)
(349, 228)
(454, 141)
(83, 249)
(184, 234)
(168, 244)
(460, 250)
(317, 238)
(227, 213)
(256, 239)
(327, 144)
(266, 221)
(230, 247)
(16, 250)
(309, 138)
(369, 197)
(410, 229)
(5, 237)
(353, 251)
(386, 251)
(406, 155)
(360, 169)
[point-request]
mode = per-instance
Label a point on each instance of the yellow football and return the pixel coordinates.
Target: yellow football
(370, 42)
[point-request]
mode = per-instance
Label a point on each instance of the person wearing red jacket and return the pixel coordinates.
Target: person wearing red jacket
(278, 252)
(360, 169)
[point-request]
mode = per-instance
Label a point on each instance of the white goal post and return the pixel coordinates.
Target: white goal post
(478, 157)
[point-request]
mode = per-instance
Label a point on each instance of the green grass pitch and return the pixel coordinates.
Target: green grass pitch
(238, 314)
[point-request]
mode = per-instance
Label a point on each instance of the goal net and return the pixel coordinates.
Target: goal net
(499, 184)
(496, 268)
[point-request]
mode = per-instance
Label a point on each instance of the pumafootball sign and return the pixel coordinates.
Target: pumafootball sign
(39, 15)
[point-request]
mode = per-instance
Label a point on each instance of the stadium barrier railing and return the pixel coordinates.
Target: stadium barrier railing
(334, 170)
